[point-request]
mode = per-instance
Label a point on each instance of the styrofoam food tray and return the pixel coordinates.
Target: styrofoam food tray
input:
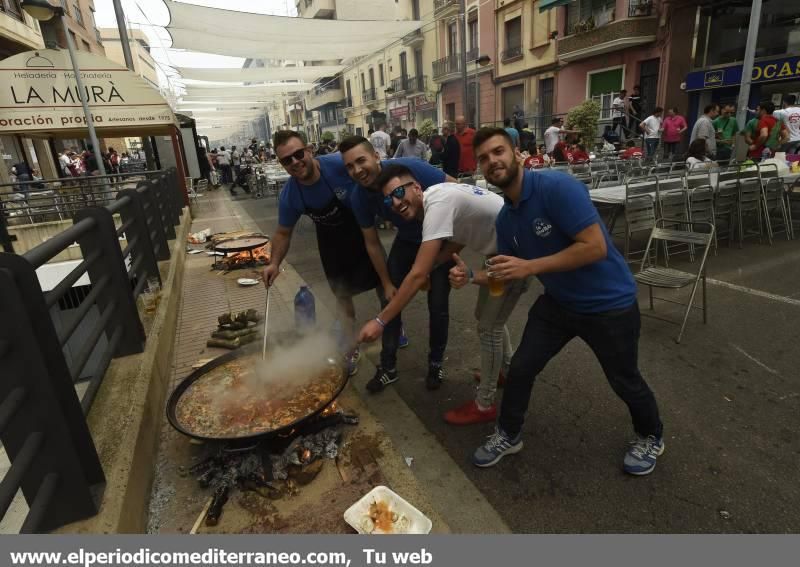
(418, 523)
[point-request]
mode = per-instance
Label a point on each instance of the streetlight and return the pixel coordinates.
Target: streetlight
(482, 61)
(43, 11)
(388, 90)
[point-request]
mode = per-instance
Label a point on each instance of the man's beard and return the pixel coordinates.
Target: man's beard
(510, 177)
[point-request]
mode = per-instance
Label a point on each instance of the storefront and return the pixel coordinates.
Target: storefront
(773, 78)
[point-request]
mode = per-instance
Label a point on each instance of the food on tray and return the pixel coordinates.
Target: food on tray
(232, 401)
(381, 518)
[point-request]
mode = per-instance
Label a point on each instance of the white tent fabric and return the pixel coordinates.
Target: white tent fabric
(189, 105)
(246, 92)
(281, 87)
(242, 34)
(256, 74)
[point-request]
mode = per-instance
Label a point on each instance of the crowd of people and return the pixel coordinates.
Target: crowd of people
(543, 226)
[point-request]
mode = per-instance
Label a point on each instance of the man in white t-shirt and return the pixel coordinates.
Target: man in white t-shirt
(453, 216)
(618, 112)
(224, 163)
(553, 134)
(65, 161)
(651, 126)
(790, 116)
(381, 141)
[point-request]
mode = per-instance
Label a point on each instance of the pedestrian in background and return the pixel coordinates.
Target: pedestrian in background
(381, 141)
(726, 127)
(512, 132)
(704, 129)
(412, 147)
(651, 126)
(464, 135)
(452, 150)
(790, 116)
(674, 125)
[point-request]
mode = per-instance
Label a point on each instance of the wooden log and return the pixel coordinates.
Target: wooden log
(231, 334)
(222, 343)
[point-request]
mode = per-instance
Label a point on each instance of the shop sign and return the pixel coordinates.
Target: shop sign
(38, 91)
(399, 113)
(421, 103)
(785, 68)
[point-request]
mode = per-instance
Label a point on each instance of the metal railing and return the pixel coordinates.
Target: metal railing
(13, 9)
(446, 65)
(45, 200)
(640, 8)
(369, 95)
(439, 5)
(347, 102)
(472, 54)
(68, 335)
(511, 53)
(409, 83)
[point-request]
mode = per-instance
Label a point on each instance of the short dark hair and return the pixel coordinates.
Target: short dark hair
(630, 143)
(390, 172)
(485, 133)
(556, 120)
(767, 105)
(506, 122)
(351, 142)
(413, 132)
(709, 107)
(370, 132)
(282, 137)
(625, 91)
(790, 99)
(658, 109)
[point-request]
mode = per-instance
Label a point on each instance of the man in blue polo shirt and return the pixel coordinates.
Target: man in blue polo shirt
(549, 228)
(364, 166)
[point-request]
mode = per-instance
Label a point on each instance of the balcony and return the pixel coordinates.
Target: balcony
(615, 36)
(640, 8)
(444, 8)
(513, 53)
(346, 102)
(369, 95)
(409, 85)
(98, 36)
(472, 54)
(12, 8)
(329, 91)
(447, 68)
(413, 39)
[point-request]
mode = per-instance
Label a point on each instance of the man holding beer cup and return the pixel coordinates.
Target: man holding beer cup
(549, 228)
(453, 216)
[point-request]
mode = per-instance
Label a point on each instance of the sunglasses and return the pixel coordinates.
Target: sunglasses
(298, 155)
(398, 192)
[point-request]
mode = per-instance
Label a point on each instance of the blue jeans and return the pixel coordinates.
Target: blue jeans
(651, 145)
(401, 258)
(613, 337)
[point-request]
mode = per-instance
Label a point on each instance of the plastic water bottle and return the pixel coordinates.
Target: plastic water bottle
(765, 154)
(305, 313)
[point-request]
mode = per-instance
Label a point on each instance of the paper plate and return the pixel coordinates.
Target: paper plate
(411, 520)
(247, 281)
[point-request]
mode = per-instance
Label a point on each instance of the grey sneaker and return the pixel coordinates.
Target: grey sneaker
(641, 456)
(497, 446)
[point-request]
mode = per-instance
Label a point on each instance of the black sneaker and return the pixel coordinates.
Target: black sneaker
(435, 376)
(381, 379)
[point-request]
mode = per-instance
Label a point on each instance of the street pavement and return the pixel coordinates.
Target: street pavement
(729, 397)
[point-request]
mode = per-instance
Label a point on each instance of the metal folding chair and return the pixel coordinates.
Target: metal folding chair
(641, 196)
(750, 204)
(775, 208)
(697, 178)
(653, 275)
(701, 208)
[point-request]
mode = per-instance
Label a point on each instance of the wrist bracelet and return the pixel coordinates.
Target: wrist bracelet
(381, 322)
(470, 275)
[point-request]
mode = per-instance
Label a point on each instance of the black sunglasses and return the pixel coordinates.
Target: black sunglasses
(399, 192)
(298, 155)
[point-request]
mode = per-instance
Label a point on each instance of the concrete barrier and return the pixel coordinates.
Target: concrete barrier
(128, 413)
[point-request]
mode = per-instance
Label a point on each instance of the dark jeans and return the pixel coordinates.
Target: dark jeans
(614, 339)
(670, 149)
(227, 174)
(651, 145)
(618, 124)
(401, 258)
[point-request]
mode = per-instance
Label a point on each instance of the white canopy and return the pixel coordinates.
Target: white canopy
(258, 74)
(242, 34)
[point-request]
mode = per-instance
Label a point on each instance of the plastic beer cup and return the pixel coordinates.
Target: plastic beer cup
(496, 287)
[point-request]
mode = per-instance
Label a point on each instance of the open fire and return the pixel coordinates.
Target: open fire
(236, 260)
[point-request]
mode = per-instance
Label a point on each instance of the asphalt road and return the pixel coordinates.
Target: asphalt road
(729, 396)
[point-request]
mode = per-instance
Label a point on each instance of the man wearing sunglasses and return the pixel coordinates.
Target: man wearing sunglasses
(453, 216)
(364, 166)
(321, 188)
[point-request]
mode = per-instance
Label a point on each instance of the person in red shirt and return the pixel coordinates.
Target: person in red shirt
(464, 134)
(769, 131)
(579, 154)
(633, 151)
(674, 126)
(535, 161)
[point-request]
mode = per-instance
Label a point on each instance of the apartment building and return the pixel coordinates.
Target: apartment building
(80, 25)
(527, 62)
(479, 107)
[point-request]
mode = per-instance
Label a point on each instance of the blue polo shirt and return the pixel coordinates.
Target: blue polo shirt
(367, 204)
(334, 179)
(553, 209)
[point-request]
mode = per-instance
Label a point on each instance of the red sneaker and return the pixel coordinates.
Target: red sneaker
(501, 380)
(469, 413)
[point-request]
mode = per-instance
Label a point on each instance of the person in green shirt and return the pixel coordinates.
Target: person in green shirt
(725, 126)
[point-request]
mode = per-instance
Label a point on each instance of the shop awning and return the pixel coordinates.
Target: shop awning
(545, 5)
(242, 34)
(261, 74)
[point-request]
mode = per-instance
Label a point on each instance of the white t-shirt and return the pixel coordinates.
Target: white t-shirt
(791, 117)
(652, 126)
(462, 213)
(551, 136)
(694, 163)
(65, 162)
(224, 158)
(235, 157)
(617, 107)
(381, 141)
